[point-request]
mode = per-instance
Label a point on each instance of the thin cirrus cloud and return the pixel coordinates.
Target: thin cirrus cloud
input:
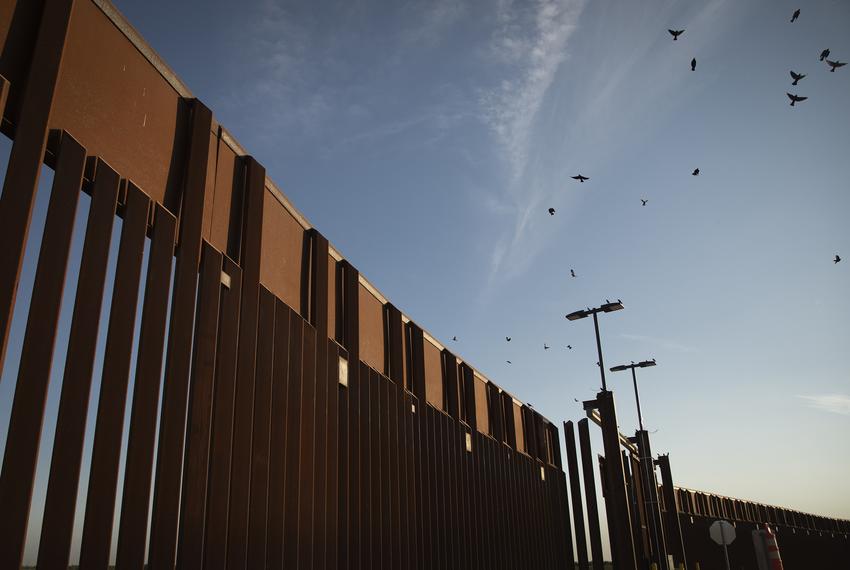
(531, 44)
(833, 403)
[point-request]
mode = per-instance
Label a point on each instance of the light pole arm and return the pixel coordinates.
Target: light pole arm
(599, 350)
(637, 398)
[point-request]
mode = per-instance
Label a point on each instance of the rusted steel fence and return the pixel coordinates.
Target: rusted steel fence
(255, 402)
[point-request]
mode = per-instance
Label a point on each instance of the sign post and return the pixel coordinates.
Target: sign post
(723, 533)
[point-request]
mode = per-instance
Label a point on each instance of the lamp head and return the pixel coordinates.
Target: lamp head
(610, 307)
(576, 315)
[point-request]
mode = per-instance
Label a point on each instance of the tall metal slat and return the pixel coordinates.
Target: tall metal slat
(249, 260)
(190, 549)
(221, 436)
(293, 441)
(137, 469)
(34, 371)
(306, 467)
(106, 452)
(21, 182)
(277, 443)
(36, 357)
(259, 509)
(58, 518)
(172, 423)
(365, 476)
(332, 537)
(593, 523)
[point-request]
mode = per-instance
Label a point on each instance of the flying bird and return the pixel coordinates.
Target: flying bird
(797, 77)
(824, 54)
(795, 15)
(836, 64)
(676, 34)
(837, 259)
(695, 172)
(694, 64)
(576, 399)
(795, 98)
(551, 211)
(580, 178)
(572, 273)
(569, 347)
(507, 338)
(508, 361)
(643, 202)
(454, 338)
(545, 346)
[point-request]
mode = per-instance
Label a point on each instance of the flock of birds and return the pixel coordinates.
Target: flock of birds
(833, 64)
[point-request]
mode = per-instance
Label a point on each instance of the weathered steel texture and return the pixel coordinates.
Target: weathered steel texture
(261, 436)
(103, 476)
(199, 421)
(589, 479)
(249, 260)
(657, 536)
(575, 495)
(616, 499)
(37, 353)
(140, 441)
(265, 458)
(221, 437)
(82, 338)
(169, 463)
(23, 170)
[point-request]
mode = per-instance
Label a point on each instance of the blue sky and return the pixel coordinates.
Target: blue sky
(426, 139)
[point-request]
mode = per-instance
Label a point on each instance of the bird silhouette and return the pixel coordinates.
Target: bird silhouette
(837, 259)
(694, 64)
(551, 211)
(545, 346)
(797, 77)
(795, 98)
(676, 34)
(572, 273)
(835, 64)
(643, 202)
(575, 399)
(824, 54)
(569, 347)
(695, 172)
(507, 338)
(454, 338)
(580, 178)
(508, 361)
(795, 15)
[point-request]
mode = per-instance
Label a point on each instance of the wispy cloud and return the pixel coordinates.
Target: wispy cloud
(834, 403)
(530, 41)
(534, 43)
(659, 342)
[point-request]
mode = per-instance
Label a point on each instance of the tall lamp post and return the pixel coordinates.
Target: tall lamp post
(650, 493)
(632, 366)
(616, 496)
(608, 307)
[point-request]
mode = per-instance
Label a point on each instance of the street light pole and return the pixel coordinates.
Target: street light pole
(650, 494)
(637, 398)
(608, 307)
(599, 351)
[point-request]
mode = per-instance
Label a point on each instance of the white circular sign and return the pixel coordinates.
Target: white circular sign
(722, 532)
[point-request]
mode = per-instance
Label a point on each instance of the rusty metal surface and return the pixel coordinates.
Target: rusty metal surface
(37, 353)
(199, 421)
(24, 167)
(276, 463)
